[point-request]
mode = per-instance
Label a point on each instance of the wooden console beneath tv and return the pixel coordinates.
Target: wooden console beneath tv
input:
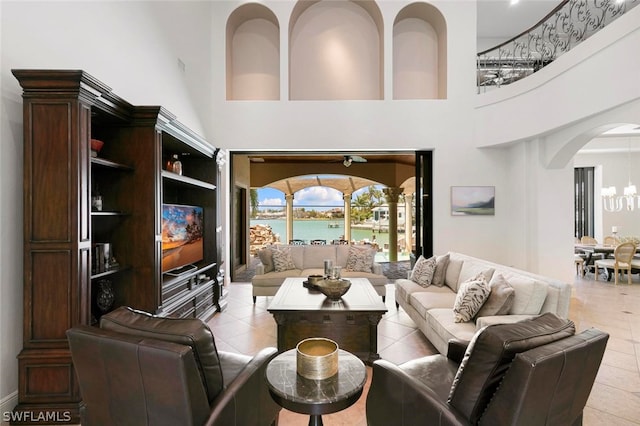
(190, 295)
(351, 322)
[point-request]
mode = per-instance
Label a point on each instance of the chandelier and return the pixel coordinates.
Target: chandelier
(629, 199)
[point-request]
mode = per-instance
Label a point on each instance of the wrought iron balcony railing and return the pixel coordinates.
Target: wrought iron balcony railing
(570, 23)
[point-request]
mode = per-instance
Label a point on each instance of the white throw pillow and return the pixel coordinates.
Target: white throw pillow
(500, 299)
(529, 295)
(442, 262)
(266, 258)
(422, 272)
(471, 296)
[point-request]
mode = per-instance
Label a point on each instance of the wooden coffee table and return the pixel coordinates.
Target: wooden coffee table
(351, 322)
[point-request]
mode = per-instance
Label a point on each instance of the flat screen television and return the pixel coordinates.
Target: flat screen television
(182, 237)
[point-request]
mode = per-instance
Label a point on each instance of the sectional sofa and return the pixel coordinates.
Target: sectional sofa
(431, 306)
(309, 260)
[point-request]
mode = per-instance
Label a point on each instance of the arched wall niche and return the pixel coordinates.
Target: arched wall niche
(419, 53)
(336, 51)
(253, 54)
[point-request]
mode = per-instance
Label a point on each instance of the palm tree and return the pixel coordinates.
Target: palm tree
(364, 203)
(253, 200)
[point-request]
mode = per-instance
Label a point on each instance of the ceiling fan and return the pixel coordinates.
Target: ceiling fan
(349, 159)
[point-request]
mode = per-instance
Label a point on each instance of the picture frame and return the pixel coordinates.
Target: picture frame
(473, 200)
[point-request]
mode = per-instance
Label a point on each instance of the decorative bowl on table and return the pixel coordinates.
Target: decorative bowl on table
(334, 289)
(312, 281)
(317, 358)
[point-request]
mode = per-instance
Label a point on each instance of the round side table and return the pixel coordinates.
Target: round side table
(315, 397)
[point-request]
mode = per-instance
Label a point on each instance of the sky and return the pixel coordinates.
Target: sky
(316, 196)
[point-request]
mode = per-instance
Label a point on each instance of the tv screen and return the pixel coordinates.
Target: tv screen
(182, 236)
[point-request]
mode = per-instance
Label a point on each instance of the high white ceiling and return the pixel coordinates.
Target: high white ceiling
(501, 20)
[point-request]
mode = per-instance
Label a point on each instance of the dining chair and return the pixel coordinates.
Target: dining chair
(296, 242)
(610, 240)
(340, 242)
(318, 242)
(588, 240)
(622, 256)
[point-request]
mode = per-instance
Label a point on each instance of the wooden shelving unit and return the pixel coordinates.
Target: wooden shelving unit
(63, 111)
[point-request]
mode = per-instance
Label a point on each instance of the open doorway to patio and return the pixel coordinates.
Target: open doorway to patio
(375, 191)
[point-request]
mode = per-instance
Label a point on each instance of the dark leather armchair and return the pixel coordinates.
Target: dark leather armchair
(535, 372)
(139, 369)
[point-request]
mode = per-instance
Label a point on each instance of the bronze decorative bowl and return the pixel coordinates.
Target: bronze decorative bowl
(317, 358)
(334, 289)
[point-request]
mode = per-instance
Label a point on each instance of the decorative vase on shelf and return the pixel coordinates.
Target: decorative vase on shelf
(105, 296)
(175, 165)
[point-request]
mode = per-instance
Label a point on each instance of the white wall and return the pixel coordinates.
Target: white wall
(134, 48)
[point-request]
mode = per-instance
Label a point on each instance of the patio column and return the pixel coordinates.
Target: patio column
(289, 199)
(347, 216)
(408, 221)
(392, 195)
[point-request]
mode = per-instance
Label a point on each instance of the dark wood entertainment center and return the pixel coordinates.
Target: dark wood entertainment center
(63, 111)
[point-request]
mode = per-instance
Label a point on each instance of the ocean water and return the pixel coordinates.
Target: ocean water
(320, 229)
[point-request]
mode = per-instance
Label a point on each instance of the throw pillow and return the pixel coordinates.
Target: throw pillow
(500, 300)
(360, 259)
(282, 260)
(471, 296)
(266, 258)
(530, 294)
(442, 262)
(184, 331)
(422, 272)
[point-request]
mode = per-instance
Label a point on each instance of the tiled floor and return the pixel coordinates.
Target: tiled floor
(615, 398)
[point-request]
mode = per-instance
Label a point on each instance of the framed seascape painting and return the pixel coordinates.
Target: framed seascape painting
(473, 200)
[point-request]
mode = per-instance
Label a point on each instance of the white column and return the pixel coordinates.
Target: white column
(392, 195)
(289, 199)
(408, 221)
(347, 216)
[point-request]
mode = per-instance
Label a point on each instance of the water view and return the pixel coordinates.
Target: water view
(330, 230)
(321, 229)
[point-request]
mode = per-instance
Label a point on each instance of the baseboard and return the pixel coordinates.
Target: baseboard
(7, 404)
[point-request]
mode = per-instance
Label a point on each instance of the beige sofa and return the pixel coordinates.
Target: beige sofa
(431, 307)
(309, 260)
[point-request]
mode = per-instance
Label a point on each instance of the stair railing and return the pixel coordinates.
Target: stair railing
(567, 25)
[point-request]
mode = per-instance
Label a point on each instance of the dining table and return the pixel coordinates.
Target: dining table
(591, 249)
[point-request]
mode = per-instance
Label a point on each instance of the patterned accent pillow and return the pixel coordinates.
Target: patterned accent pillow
(441, 270)
(266, 258)
(360, 259)
(282, 260)
(422, 272)
(500, 300)
(471, 296)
